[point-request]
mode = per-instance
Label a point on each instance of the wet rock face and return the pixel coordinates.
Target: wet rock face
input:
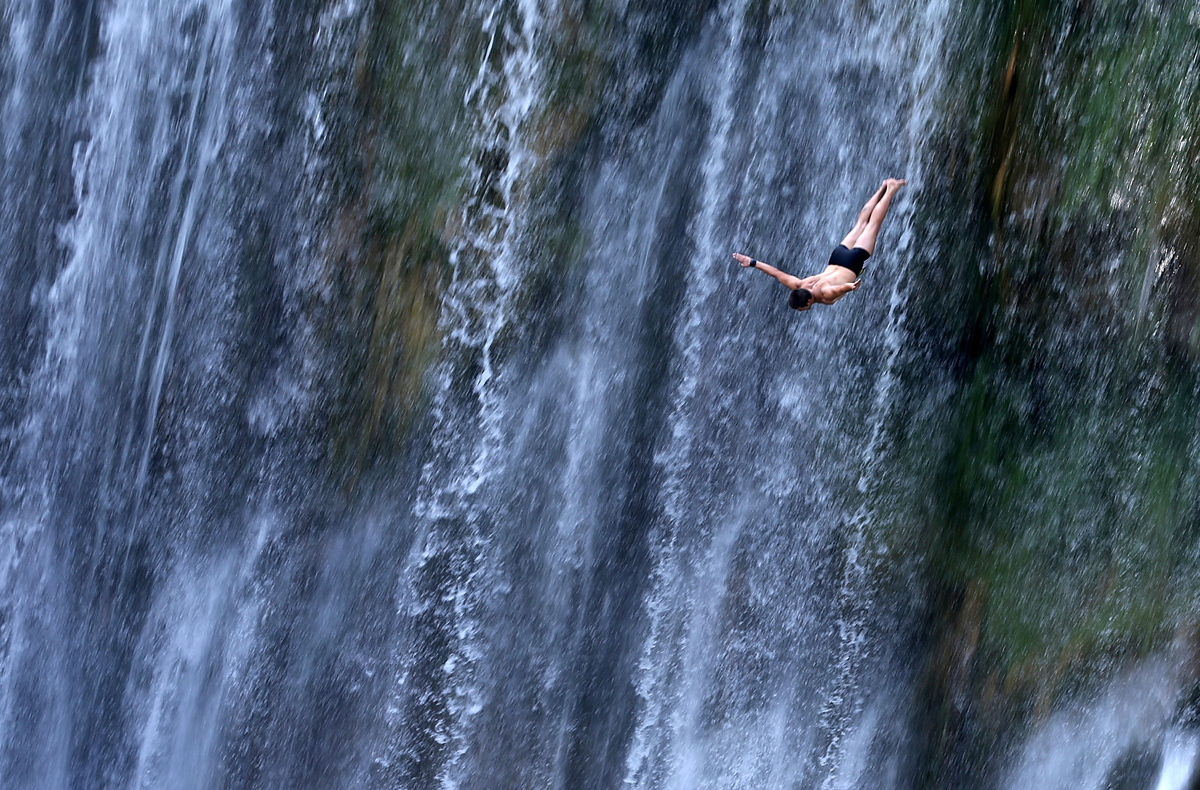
(1067, 486)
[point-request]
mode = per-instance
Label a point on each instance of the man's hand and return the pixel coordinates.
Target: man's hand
(835, 292)
(788, 280)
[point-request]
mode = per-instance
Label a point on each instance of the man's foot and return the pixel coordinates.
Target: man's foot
(894, 183)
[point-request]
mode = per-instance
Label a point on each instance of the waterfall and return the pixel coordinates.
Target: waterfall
(455, 531)
(136, 514)
(383, 408)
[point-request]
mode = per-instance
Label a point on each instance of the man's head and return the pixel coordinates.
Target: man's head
(800, 299)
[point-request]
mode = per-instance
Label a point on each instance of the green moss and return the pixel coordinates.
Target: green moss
(1052, 494)
(391, 238)
(578, 72)
(406, 191)
(1063, 489)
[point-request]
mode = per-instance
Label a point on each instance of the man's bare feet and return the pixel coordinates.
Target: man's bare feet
(894, 183)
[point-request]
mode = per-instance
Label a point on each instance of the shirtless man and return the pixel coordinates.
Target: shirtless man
(845, 265)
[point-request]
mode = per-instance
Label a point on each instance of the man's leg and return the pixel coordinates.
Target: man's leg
(866, 240)
(864, 217)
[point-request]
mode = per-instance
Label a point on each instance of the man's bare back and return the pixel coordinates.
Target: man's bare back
(841, 276)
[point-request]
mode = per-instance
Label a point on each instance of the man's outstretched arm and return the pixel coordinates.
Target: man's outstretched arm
(786, 279)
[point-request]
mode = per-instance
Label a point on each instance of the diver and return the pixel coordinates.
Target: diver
(845, 264)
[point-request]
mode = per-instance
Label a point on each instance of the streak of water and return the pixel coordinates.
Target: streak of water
(670, 721)
(204, 131)
(844, 702)
(486, 269)
(1179, 762)
(1078, 747)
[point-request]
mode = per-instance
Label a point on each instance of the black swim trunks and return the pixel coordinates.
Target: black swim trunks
(849, 259)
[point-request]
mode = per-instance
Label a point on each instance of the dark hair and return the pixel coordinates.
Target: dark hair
(800, 299)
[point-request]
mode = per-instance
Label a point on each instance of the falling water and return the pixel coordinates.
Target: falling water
(383, 407)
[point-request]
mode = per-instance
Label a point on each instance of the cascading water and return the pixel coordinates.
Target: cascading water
(383, 408)
(723, 506)
(137, 504)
